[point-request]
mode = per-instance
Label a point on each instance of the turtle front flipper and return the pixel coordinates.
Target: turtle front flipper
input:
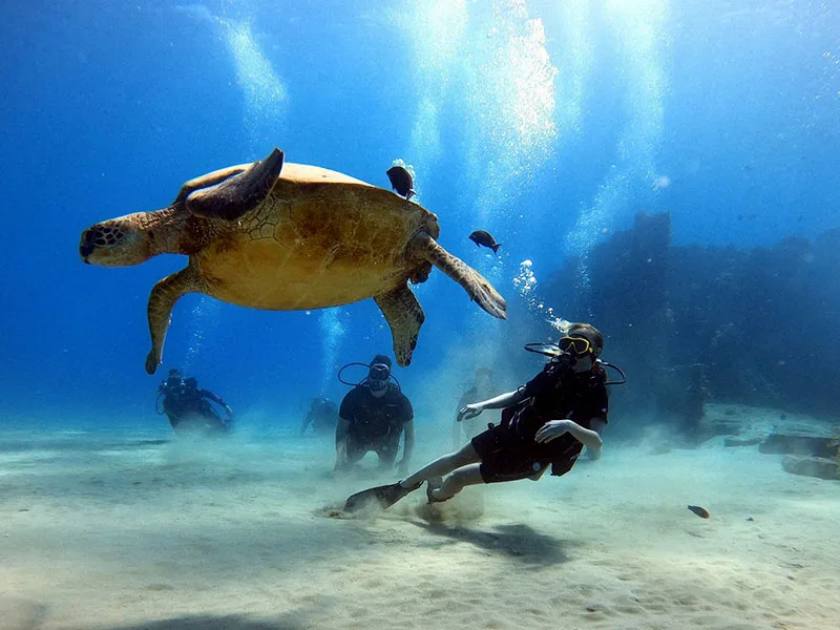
(207, 180)
(161, 301)
(237, 194)
(404, 315)
(424, 247)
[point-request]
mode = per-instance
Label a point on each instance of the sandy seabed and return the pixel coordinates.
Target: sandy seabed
(128, 530)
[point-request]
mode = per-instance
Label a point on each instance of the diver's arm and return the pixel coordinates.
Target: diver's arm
(206, 393)
(306, 422)
(499, 402)
(408, 444)
(554, 429)
(504, 400)
(597, 424)
(341, 430)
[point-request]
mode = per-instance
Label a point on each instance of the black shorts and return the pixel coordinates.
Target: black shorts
(386, 449)
(506, 456)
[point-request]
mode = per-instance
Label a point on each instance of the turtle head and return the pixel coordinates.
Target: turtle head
(118, 242)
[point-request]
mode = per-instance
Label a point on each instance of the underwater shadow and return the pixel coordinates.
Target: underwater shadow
(222, 622)
(519, 542)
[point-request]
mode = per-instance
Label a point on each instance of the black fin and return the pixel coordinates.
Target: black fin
(381, 496)
(401, 181)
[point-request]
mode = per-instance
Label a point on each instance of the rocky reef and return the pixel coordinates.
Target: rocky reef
(692, 324)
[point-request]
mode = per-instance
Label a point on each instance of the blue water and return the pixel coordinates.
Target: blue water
(549, 124)
(667, 169)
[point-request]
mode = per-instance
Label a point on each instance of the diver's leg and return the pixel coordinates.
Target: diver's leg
(353, 453)
(454, 483)
(213, 420)
(442, 466)
(387, 454)
(161, 301)
(173, 419)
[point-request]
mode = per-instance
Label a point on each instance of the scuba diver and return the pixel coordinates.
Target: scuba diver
(372, 417)
(545, 423)
(188, 407)
(481, 388)
(322, 415)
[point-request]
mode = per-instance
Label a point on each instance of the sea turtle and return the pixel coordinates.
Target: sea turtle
(303, 238)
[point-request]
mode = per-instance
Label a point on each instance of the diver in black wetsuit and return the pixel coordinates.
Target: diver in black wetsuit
(322, 415)
(188, 407)
(372, 417)
(545, 424)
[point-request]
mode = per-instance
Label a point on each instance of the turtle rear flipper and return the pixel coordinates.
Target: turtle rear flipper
(404, 315)
(237, 194)
(479, 288)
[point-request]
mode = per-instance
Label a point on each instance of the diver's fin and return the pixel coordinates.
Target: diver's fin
(381, 496)
(238, 194)
(479, 288)
(404, 315)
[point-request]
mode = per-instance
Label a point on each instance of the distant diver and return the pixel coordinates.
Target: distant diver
(481, 388)
(188, 407)
(545, 423)
(283, 237)
(322, 416)
(373, 416)
(401, 181)
(482, 238)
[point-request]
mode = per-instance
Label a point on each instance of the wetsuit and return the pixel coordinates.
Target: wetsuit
(508, 451)
(184, 406)
(375, 424)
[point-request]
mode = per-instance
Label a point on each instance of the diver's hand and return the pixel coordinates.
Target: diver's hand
(469, 411)
(552, 430)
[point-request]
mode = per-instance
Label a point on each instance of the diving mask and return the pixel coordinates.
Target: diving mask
(378, 376)
(576, 346)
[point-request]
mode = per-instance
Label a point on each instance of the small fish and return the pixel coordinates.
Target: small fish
(480, 237)
(401, 181)
(699, 511)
